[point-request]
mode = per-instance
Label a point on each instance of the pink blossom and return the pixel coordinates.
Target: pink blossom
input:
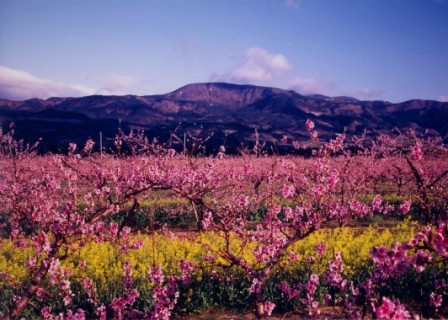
(309, 259)
(72, 148)
(379, 254)
(309, 125)
(46, 313)
(88, 146)
(314, 278)
(79, 315)
(320, 248)
(101, 312)
(420, 260)
(313, 308)
(209, 258)
(124, 232)
(269, 307)
(156, 275)
(426, 230)
(207, 220)
(138, 244)
(435, 300)
(390, 310)
(31, 263)
(67, 300)
(376, 203)
(441, 242)
(292, 293)
(253, 285)
(337, 255)
(334, 278)
(87, 283)
(292, 256)
(165, 230)
(186, 268)
(114, 228)
(386, 309)
(416, 152)
(405, 207)
(41, 293)
(334, 178)
(413, 242)
(420, 236)
(288, 191)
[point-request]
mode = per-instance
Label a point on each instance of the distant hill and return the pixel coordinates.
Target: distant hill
(230, 112)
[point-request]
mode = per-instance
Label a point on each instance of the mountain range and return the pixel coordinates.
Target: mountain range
(227, 113)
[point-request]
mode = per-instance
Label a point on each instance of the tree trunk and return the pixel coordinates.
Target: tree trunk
(260, 311)
(23, 301)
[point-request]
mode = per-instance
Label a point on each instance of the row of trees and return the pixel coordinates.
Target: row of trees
(58, 202)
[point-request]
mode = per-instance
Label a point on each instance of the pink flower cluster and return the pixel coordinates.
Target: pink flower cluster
(416, 151)
(119, 305)
(320, 248)
(290, 292)
(405, 207)
(335, 268)
(269, 307)
(310, 290)
(309, 124)
(186, 268)
(288, 191)
(58, 276)
(389, 309)
(69, 315)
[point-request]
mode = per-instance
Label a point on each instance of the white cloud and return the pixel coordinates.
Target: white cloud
(257, 66)
(21, 85)
(370, 93)
(308, 85)
(443, 98)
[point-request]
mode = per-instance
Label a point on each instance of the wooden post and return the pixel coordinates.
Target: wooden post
(185, 143)
(101, 145)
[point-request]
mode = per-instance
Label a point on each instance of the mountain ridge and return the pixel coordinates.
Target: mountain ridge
(231, 112)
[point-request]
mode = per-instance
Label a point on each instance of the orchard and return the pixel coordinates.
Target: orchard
(359, 227)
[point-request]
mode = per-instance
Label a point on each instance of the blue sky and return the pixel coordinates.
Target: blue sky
(391, 50)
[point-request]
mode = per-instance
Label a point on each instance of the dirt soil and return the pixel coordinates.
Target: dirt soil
(326, 313)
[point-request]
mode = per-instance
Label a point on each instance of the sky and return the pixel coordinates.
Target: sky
(393, 50)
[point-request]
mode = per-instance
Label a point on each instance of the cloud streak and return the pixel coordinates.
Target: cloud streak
(370, 93)
(115, 84)
(443, 98)
(21, 85)
(308, 85)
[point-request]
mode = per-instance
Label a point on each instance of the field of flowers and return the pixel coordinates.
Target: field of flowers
(145, 233)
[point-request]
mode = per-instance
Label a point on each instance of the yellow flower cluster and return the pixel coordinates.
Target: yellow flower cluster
(104, 262)
(12, 263)
(354, 245)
